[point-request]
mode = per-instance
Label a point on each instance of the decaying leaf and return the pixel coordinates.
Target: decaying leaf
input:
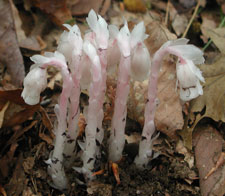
(208, 147)
(218, 37)
(135, 5)
(84, 6)
(211, 104)
(169, 116)
(208, 21)
(10, 54)
(31, 42)
(57, 11)
(17, 111)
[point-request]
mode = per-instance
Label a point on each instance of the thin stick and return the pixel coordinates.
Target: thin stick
(192, 18)
(167, 12)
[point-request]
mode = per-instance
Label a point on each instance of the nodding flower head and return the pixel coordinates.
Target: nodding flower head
(70, 42)
(188, 75)
(34, 83)
(99, 26)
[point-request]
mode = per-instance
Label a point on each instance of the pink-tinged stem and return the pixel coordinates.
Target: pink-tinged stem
(117, 137)
(74, 112)
(89, 155)
(103, 61)
(145, 147)
(55, 168)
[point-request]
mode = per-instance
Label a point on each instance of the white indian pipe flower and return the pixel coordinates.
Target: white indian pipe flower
(34, 83)
(188, 75)
(99, 26)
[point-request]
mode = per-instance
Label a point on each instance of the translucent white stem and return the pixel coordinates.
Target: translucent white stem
(117, 137)
(103, 60)
(55, 167)
(74, 113)
(89, 155)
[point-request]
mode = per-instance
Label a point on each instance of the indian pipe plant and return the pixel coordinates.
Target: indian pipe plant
(83, 63)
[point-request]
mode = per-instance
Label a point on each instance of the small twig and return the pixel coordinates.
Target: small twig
(192, 18)
(210, 40)
(167, 12)
(219, 163)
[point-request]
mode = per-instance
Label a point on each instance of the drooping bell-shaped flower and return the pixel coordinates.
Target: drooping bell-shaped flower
(34, 83)
(189, 77)
(99, 26)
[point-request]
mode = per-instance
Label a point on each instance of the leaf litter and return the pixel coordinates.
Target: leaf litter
(27, 131)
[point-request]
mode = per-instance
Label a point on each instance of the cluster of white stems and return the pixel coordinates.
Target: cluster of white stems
(84, 63)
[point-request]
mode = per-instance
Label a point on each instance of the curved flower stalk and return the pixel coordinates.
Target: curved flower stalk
(70, 45)
(89, 154)
(101, 34)
(188, 76)
(135, 62)
(55, 162)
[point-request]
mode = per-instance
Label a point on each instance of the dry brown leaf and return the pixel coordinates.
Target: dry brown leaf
(84, 6)
(208, 146)
(18, 111)
(135, 5)
(30, 43)
(211, 104)
(218, 37)
(57, 11)
(180, 23)
(208, 21)
(169, 116)
(10, 54)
